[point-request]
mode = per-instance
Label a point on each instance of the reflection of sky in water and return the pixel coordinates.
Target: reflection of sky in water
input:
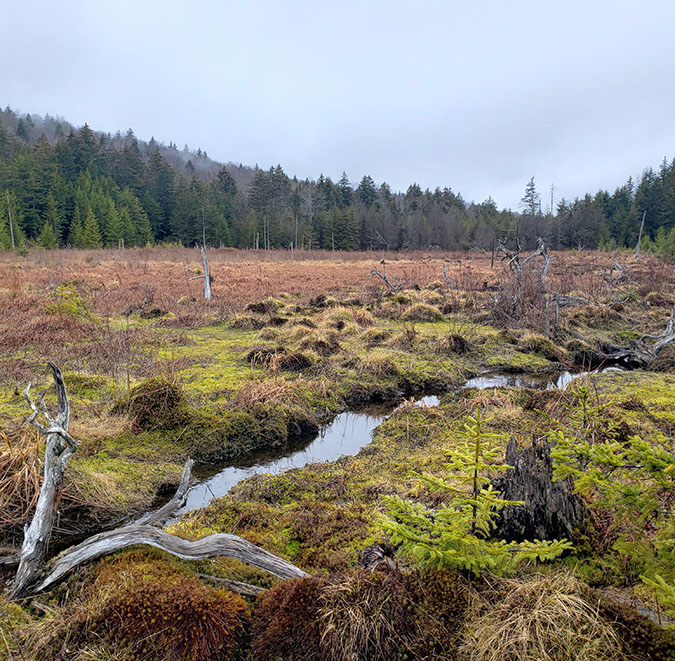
(346, 435)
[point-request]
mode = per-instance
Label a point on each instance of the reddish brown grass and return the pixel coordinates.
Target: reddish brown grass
(108, 282)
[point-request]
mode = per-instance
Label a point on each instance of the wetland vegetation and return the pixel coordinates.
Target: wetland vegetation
(244, 383)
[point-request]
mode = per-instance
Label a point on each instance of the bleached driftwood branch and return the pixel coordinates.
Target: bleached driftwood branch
(35, 574)
(222, 544)
(59, 448)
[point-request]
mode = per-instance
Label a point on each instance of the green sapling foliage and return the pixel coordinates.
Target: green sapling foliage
(457, 535)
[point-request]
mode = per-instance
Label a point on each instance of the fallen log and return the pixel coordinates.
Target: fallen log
(639, 356)
(222, 544)
(35, 574)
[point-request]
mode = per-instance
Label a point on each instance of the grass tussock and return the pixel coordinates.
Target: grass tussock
(21, 474)
(544, 618)
(362, 615)
(422, 312)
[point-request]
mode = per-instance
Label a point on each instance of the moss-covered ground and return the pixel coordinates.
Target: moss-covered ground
(233, 385)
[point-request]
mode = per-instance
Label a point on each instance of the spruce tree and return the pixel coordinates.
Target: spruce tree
(91, 236)
(457, 535)
(47, 238)
(53, 217)
(75, 232)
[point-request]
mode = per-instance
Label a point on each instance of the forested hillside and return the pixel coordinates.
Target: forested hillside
(62, 186)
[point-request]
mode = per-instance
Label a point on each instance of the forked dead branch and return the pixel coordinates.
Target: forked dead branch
(36, 573)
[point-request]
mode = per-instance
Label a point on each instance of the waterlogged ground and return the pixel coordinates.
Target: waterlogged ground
(303, 413)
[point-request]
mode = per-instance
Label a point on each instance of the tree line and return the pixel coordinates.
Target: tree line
(67, 187)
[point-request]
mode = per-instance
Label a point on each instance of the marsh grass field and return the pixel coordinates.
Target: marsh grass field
(288, 342)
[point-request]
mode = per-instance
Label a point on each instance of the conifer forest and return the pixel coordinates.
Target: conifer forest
(267, 414)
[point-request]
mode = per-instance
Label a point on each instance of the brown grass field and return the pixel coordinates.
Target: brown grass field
(108, 282)
(114, 279)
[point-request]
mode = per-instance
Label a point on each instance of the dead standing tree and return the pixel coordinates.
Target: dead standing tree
(535, 294)
(393, 282)
(59, 448)
(36, 574)
(206, 276)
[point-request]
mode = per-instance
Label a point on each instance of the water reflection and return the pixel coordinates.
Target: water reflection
(543, 381)
(346, 435)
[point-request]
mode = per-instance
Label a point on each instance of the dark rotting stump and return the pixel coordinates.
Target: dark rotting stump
(551, 509)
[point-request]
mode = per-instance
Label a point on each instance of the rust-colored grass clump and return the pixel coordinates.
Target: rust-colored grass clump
(142, 606)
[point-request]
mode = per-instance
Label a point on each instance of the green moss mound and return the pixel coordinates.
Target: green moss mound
(155, 404)
(534, 343)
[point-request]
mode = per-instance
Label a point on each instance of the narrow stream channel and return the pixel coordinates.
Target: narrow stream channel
(346, 435)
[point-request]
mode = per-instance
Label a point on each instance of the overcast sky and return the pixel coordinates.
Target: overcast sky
(479, 96)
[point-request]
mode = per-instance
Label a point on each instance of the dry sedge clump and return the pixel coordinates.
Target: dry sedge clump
(366, 616)
(155, 404)
(247, 322)
(21, 469)
(545, 618)
(374, 337)
(324, 345)
(422, 312)
(278, 390)
(453, 343)
(362, 317)
(362, 616)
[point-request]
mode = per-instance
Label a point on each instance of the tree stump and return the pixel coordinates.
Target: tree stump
(551, 511)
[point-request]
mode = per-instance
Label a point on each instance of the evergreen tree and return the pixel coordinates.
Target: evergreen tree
(91, 235)
(53, 217)
(531, 199)
(75, 231)
(47, 238)
(457, 535)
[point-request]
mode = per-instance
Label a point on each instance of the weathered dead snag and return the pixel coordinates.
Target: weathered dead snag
(206, 276)
(394, 284)
(514, 303)
(517, 266)
(36, 574)
(60, 447)
(551, 510)
(622, 275)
